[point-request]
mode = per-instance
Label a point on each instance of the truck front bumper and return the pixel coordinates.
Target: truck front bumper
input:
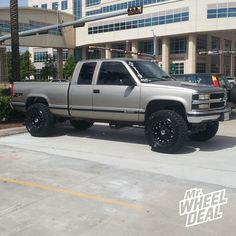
(202, 116)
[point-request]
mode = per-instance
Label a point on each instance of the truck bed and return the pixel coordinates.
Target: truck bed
(55, 93)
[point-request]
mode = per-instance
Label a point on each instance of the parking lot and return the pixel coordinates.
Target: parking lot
(109, 182)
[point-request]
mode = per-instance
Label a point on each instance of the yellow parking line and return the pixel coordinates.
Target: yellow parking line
(71, 193)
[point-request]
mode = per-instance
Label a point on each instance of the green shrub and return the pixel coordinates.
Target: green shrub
(5, 92)
(5, 108)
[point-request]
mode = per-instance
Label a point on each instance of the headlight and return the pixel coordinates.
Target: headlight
(204, 96)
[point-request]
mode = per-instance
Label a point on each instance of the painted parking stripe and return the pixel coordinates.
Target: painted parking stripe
(92, 197)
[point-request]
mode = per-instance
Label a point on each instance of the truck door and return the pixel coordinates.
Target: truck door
(115, 95)
(81, 92)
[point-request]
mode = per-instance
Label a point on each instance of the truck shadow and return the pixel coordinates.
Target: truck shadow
(136, 136)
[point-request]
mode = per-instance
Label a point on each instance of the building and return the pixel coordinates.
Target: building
(32, 18)
(183, 29)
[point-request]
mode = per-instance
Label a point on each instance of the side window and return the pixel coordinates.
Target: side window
(114, 73)
(86, 73)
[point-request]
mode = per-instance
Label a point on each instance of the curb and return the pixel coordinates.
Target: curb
(12, 131)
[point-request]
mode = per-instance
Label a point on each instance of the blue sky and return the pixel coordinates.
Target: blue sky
(5, 3)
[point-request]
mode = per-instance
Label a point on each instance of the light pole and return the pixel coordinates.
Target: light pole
(154, 44)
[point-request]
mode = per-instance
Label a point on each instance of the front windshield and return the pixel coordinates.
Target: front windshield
(148, 72)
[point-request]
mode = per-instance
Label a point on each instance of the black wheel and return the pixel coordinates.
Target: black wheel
(209, 132)
(39, 120)
(81, 124)
(166, 131)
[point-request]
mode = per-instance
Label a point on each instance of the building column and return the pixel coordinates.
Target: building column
(221, 57)
(166, 54)
(208, 57)
(192, 54)
(3, 76)
(59, 63)
(108, 52)
(134, 48)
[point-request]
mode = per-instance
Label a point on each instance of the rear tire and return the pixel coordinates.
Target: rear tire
(209, 132)
(81, 124)
(166, 131)
(39, 120)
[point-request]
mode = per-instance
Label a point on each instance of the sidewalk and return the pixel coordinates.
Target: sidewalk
(12, 131)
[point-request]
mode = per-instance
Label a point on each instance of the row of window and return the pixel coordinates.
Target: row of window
(221, 13)
(5, 26)
(121, 6)
(55, 5)
(43, 56)
(152, 21)
(90, 3)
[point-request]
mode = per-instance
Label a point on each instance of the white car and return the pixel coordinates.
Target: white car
(232, 81)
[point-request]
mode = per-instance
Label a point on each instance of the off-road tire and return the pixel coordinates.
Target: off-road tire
(166, 131)
(81, 124)
(209, 132)
(39, 120)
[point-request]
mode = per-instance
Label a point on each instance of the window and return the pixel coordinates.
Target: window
(201, 44)
(215, 43)
(86, 73)
(44, 6)
(92, 2)
(77, 8)
(178, 45)
(55, 6)
(227, 45)
(94, 54)
(40, 56)
(179, 68)
(146, 47)
(114, 73)
(116, 54)
(154, 20)
(201, 68)
(64, 5)
(35, 6)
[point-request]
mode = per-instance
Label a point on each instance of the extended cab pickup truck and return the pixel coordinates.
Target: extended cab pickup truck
(125, 92)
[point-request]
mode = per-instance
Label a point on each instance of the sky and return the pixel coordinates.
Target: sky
(6, 3)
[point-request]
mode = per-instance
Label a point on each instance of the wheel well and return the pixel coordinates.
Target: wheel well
(154, 106)
(33, 100)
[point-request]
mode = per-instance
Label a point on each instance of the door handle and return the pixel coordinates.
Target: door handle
(96, 91)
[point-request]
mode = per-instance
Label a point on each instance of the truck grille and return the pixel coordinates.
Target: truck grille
(217, 95)
(217, 105)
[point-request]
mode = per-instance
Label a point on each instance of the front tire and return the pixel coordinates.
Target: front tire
(209, 132)
(166, 131)
(81, 124)
(39, 120)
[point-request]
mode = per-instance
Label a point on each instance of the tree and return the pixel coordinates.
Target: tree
(27, 68)
(69, 67)
(49, 69)
(15, 40)
(9, 66)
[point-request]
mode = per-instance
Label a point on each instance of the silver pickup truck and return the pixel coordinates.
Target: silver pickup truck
(125, 92)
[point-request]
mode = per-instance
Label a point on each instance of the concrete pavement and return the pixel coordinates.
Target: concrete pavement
(90, 183)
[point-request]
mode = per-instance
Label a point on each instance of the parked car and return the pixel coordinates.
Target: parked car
(232, 81)
(215, 80)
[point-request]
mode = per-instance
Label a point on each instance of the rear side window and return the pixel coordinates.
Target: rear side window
(86, 73)
(114, 73)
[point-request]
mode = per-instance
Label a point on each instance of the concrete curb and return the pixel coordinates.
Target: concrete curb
(12, 131)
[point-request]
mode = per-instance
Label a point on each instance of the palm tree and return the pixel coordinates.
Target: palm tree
(15, 40)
